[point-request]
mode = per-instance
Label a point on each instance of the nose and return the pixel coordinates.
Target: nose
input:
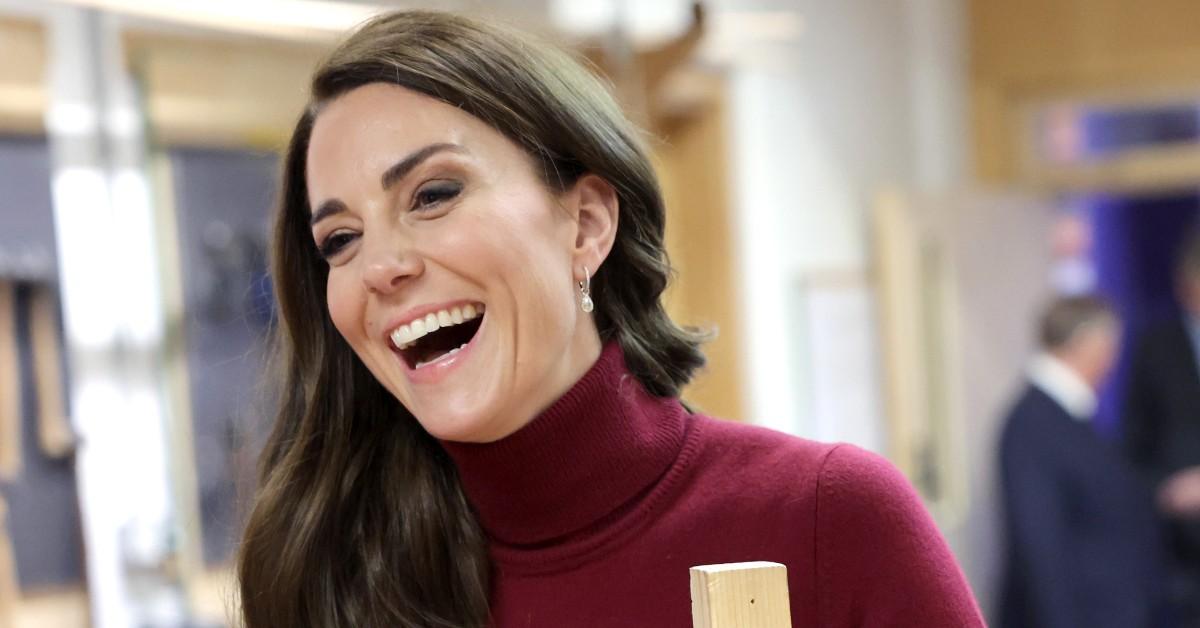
(388, 268)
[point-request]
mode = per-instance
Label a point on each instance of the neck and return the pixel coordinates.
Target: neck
(1065, 384)
(595, 449)
(581, 354)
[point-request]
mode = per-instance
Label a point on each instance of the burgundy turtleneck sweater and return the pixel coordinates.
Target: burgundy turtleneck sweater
(598, 507)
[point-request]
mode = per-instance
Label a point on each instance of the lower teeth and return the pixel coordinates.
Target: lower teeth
(441, 357)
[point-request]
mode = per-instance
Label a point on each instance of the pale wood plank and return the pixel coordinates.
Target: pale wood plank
(8, 573)
(55, 435)
(740, 595)
(10, 385)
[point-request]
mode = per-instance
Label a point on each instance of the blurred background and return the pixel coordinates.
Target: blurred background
(871, 199)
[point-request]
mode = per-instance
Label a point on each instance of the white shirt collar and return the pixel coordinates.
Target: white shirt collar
(1063, 385)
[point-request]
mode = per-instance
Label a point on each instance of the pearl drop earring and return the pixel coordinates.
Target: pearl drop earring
(585, 292)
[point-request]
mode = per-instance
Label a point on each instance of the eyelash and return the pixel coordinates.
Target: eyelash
(425, 199)
(334, 243)
(440, 191)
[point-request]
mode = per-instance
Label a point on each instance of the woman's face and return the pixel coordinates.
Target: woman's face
(452, 266)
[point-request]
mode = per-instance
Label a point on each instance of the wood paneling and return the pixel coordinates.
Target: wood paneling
(221, 92)
(22, 98)
(1025, 52)
(210, 91)
(693, 166)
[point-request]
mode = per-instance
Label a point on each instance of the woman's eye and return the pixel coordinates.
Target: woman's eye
(435, 193)
(334, 244)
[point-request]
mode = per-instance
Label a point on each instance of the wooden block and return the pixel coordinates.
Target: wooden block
(55, 435)
(741, 595)
(9, 594)
(10, 385)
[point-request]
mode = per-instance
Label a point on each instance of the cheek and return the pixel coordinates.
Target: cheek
(344, 305)
(532, 254)
(517, 237)
(1104, 354)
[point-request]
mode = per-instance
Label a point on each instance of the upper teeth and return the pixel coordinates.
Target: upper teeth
(405, 335)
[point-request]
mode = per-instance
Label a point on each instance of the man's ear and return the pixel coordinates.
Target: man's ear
(596, 211)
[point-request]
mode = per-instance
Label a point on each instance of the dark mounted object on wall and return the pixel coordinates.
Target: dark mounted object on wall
(56, 439)
(238, 285)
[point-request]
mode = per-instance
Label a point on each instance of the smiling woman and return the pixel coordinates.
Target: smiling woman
(424, 210)
(479, 421)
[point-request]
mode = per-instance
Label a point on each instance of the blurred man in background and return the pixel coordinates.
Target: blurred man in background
(1162, 427)
(1082, 546)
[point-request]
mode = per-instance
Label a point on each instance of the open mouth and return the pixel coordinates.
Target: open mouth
(438, 335)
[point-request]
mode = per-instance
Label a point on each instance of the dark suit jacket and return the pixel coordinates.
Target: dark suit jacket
(1082, 540)
(1162, 417)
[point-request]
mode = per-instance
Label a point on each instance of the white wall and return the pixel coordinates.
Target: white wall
(996, 310)
(820, 124)
(869, 96)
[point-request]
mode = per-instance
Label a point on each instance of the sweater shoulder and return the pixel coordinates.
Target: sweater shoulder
(751, 446)
(851, 478)
(876, 541)
(850, 516)
(860, 487)
(879, 560)
(758, 471)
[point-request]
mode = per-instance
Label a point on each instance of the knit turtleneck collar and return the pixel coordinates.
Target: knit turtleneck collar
(602, 444)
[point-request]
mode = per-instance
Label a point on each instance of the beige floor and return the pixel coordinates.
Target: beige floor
(213, 600)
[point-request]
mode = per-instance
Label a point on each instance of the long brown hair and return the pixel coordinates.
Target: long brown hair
(360, 519)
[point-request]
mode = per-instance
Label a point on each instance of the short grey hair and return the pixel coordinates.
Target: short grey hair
(1064, 317)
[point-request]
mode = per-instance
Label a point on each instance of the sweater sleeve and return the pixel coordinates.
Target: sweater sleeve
(880, 560)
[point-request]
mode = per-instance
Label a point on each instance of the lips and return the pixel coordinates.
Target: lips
(438, 334)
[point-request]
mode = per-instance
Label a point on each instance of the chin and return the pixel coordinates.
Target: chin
(463, 429)
(460, 420)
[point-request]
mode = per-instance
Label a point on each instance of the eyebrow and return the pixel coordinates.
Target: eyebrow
(390, 177)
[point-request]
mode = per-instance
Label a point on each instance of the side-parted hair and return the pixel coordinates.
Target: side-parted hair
(360, 520)
(1065, 317)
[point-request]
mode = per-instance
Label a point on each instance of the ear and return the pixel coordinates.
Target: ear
(596, 209)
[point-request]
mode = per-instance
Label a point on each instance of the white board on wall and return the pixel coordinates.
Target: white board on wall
(839, 360)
